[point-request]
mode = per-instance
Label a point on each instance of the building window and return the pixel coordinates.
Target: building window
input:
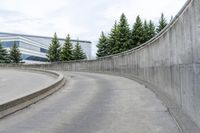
(33, 58)
(43, 50)
(9, 44)
(28, 46)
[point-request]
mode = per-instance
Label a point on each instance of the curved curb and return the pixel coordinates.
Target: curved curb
(22, 102)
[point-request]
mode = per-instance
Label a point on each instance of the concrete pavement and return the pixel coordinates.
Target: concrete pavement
(16, 83)
(94, 103)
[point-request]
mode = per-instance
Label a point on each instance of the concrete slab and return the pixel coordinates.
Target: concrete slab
(16, 83)
(94, 103)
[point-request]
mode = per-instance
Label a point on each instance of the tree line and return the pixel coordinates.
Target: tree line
(65, 53)
(122, 38)
(55, 52)
(13, 56)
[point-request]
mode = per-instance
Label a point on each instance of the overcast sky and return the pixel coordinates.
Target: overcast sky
(83, 19)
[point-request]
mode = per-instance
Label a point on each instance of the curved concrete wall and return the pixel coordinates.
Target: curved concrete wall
(27, 100)
(169, 64)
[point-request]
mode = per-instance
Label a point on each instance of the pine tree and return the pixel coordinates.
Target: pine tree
(137, 33)
(152, 31)
(4, 58)
(113, 40)
(66, 51)
(102, 46)
(124, 34)
(146, 32)
(54, 50)
(15, 55)
(78, 53)
(162, 23)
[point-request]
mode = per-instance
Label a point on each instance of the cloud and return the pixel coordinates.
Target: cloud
(81, 19)
(33, 8)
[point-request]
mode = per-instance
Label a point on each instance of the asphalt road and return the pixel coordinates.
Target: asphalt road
(17, 83)
(94, 103)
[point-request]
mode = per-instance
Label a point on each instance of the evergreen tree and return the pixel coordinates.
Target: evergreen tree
(146, 32)
(137, 33)
(78, 53)
(113, 40)
(151, 32)
(54, 50)
(124, 34)
(66, 51)
(102, 46)
(162, 23)
(4, 58)
(15, 55)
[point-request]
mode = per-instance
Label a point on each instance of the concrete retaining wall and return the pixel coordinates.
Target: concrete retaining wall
(169, 64)
(22, 102)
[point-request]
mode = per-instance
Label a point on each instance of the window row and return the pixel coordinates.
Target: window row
(9, 44)
(33, 58)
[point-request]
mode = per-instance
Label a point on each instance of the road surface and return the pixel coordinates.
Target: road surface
(94, 103)
(16, 83)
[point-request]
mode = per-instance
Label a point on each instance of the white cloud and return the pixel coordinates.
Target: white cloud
(82, 19)
(32, 8)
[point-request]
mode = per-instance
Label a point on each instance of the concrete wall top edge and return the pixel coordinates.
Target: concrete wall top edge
(159, 35)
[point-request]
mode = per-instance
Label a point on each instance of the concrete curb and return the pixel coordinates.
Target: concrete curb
(22, 102)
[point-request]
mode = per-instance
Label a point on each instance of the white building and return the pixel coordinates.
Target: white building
(34, 48)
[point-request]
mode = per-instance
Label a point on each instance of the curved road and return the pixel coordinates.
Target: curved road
(94, 103)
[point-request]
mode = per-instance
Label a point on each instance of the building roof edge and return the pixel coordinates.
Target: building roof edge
(15, 34)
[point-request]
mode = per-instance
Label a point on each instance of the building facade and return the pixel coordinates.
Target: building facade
(34, 48)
